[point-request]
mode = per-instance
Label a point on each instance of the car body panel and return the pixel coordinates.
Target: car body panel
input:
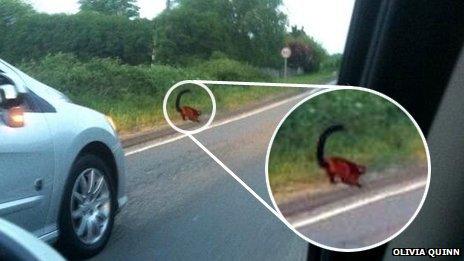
(26, 183)
(73, 139)
(70, 129)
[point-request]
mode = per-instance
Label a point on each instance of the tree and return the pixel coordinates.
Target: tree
(333, 62)
(184, 33)
(85, 35)
(12, 11)
(247, 30)
(306, 52)
(111, 7)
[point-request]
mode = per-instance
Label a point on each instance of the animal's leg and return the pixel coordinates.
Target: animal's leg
(332, 178)
(354, 182)
(344, 181)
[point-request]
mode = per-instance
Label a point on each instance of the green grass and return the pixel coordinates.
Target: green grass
(133, 95)
(314, 78)
(134, 113)
(146, 112)
(378, 135)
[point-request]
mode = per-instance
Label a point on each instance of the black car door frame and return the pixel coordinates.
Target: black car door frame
(406, 50)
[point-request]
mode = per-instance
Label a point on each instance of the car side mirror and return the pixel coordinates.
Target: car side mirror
(8, 93)
(13, 114)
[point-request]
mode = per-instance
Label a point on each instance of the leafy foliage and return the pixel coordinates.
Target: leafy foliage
(188, 33)
(125, 8)
(86, 35)
(224, 69)
(10, 12)
(104, 77)
(133, 94)
(245, 30)
(333, 62)
(111, 79)
(306, 52)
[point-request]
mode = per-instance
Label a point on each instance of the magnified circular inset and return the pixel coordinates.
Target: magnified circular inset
(348, 168)
(190, 105)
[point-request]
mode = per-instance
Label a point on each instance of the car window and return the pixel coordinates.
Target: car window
(4, 80)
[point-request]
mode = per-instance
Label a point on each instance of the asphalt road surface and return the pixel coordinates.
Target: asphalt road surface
(366, 225)
(184, 206)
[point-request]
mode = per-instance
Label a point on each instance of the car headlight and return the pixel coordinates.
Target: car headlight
(111, 122)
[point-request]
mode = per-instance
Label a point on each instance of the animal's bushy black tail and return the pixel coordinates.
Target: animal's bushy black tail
(322, 140)
(179, 95)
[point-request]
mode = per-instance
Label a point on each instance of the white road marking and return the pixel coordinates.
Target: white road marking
(307, 221)
(359, 203)
(251, 191)
(325, 215)
(220, 123)
(154, 145)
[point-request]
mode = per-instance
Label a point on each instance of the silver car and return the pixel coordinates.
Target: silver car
(61, 166)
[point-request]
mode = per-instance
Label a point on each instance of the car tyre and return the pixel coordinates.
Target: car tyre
(86, 215)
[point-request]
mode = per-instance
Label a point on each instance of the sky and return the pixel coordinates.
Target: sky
(327, 21)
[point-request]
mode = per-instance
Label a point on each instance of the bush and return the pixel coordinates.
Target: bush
(225, 69)
(112, 79)
(104, 77)
(133, 95)
(333, 62)
(86, 35)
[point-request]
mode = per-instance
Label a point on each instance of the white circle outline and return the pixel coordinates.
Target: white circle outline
(166, 115)
(424, 196)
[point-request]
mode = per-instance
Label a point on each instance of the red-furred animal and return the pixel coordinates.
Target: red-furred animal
(187, 113)
(348, 172)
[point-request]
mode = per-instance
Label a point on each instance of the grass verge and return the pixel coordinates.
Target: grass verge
(379, 135)
(133, 95)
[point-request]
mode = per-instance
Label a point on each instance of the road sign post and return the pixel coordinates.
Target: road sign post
(285, 67)
(286, 53)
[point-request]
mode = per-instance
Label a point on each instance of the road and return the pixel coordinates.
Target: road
(365, 225)
(349, 217)
(183, 206)
(373, 183)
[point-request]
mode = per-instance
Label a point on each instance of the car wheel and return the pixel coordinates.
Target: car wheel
(88, 208)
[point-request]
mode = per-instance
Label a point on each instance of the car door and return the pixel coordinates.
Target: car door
(26, 166)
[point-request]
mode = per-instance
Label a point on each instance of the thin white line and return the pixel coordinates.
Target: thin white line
(321, 216)
(358, 204)
(154, 145)
(223, 122)
(218, 161)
